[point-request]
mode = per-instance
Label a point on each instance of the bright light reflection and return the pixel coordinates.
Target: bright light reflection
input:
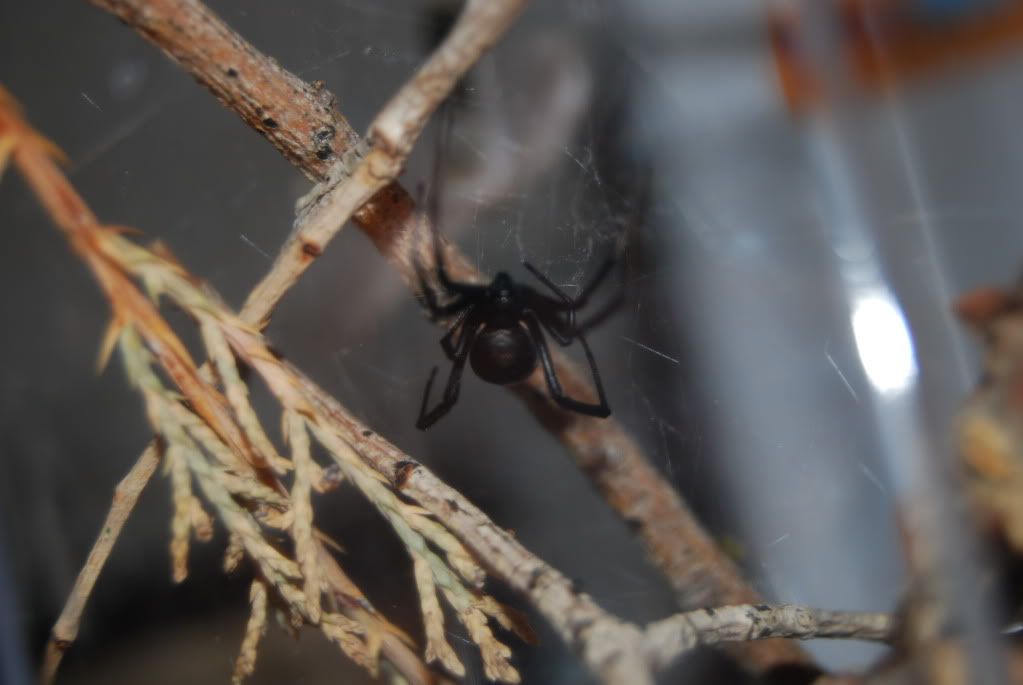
(884, 343)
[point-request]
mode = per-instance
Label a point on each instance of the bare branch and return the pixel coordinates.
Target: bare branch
(126, 495)
(300, 119)
(669, 638)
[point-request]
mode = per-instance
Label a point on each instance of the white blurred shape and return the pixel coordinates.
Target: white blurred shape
(884, 343)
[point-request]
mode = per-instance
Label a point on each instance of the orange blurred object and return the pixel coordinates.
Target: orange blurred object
(885, 42)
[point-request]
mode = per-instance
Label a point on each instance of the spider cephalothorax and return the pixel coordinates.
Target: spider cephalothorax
(503, 352)
(499, 328)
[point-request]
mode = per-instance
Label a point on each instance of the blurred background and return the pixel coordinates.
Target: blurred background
(795, 192)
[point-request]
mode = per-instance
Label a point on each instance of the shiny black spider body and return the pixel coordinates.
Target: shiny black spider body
(503, 352)
(499, 329)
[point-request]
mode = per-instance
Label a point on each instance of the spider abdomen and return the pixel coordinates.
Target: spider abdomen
(503, 355)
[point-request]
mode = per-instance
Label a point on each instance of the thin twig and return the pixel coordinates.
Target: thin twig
(698, 570)
(126, 495)
(667, 639)
(368, 168)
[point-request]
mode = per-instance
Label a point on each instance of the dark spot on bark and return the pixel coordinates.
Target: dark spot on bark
(311, 250)
(332, 477)
(761, 607)
(453, 505)
(710, 612)
(402, 472)
(62, 645)
(269, 123)
(367, 433)
(634, 524)
(534, 577)
(324, 135)
(322, 139)
(232, 72)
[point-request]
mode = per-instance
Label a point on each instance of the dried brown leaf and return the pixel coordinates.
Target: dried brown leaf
(6, 148)
(509, 618)
(437, 646)
(181, 522)
(496, 654)
(110, 337)
(350, 636)
(202, 522)
(302, 508)
(238, 393)
(245, 664)
(234, 553)
(458, 557)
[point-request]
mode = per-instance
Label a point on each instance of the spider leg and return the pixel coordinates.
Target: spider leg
(437, 310)
(546, 306)
(541, 302)
(451, 348)
(580, 301)
(600, 409)
(567, 331)
(453, 287)
(462, 290)
(598, 317)
(553, 325)
(450, 396)
(433, 210)
(429, 295)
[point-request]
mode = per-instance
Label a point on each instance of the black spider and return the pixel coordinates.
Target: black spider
(499, 328)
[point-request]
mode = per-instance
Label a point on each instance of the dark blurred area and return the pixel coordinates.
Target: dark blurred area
(780, 147)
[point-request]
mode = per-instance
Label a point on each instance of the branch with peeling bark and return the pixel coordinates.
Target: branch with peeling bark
(257, 88)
